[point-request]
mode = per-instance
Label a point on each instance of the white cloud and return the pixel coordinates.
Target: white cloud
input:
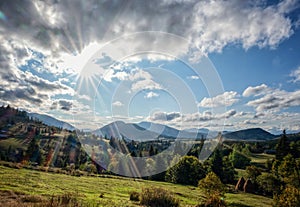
(117, 103)
(145, 85)
(193, 117)
(295, 75)
(138, 78)
(193, 77)
(224, 22)
(255, 91)
(276, 100)
(225, 99)
(119, 75)
(151, 94)
(163, 116)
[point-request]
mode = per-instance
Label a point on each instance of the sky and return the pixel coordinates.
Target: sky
(220, 65)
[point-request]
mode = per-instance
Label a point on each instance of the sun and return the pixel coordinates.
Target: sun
(86, 76)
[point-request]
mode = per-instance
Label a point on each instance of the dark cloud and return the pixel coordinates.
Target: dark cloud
(19, 95)
(53, 106)
(62, 104)
(229, 114)
(172, 116)
(65, 105)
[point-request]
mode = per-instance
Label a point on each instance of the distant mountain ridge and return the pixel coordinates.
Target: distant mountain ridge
(144, 131)
(51, 121)
(249, 134)
(170, 132)
(151, 131)
(120, 129)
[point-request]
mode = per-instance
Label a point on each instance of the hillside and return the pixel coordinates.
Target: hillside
(250, 134)
(114, 190)
(50, 121)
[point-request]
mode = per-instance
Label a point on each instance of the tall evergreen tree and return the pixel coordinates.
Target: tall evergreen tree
(228, 173)
(217, 163)
(151, 151)
(283, 147)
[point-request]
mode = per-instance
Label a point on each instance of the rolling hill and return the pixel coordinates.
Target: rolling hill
(51, 121)
(120, 129)
(249, 134)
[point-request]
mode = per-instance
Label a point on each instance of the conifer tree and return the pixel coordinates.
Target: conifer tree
(282, 148)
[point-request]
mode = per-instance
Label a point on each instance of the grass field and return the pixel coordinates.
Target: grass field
(114, 190)
(260, 159)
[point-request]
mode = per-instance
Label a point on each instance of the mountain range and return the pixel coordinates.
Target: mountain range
(151, 131)
(144, 131)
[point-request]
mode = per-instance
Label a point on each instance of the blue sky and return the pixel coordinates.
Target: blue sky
(221, 65)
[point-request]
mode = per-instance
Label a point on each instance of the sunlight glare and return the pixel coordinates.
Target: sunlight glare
(77, 62)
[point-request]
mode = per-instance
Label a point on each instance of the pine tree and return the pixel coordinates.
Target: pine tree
(217, 163)
(228, 173)
(282, 148)
(151, 151)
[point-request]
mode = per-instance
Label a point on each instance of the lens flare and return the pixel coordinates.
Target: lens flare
(2, 16)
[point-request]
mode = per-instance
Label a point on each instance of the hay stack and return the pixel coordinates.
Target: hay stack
(248, 187)
(240, 184)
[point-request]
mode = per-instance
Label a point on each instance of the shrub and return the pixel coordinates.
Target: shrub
(214, 190)
(213, 201)
(187, 171)
(134, 196)
(252, 173)
(212, 184)
(239, 160)
(268, 184)
(289, 197)
(154, 197)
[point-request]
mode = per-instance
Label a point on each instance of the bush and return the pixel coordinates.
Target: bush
(239, 160)
(134, 196)
(154, 197)
(268, 184)
(213, 201)
(214, 190)
(187, 171)
(289, 197)
(252, 173)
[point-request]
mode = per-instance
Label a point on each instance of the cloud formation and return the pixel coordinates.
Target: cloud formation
(50, 31)
(190, 118)
(295, 75)
(276, 100)
(228, 98)
(117, 103)
(256, 90)
(151, 94)
(68, 26)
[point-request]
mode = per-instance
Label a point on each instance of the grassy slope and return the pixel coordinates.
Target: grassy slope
(115, 189)
(13, 142)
